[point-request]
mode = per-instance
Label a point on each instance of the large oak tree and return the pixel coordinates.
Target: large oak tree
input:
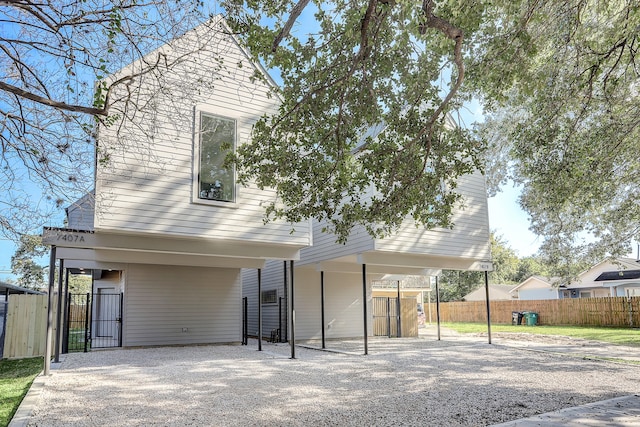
(372, 125)
(370, 88)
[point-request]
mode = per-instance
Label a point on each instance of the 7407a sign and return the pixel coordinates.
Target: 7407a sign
(65, 238)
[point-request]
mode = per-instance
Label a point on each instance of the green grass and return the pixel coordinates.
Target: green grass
(622, 336)
(16, 377)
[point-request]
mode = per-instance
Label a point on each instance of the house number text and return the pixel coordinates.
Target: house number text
(70, 238)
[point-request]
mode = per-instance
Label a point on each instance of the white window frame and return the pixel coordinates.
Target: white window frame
(195, 196)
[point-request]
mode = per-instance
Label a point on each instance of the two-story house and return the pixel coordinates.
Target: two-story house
(169, 229)
(167, 226)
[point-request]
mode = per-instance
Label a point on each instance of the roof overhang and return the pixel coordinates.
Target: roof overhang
(108, 249)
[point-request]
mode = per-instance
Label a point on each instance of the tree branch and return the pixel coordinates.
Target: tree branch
(293, 16)
(51, 103)
(455, 34)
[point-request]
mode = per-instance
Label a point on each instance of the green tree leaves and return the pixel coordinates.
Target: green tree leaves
(558, 83)
(30, 274)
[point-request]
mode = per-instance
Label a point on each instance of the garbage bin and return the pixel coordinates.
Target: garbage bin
(516, 318)
(531, 318)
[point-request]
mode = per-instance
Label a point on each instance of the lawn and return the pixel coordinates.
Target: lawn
(622, 336)
(16, 377)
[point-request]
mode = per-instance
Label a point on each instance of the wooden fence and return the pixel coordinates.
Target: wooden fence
(26, 327)
(385, 309)
(609, 311)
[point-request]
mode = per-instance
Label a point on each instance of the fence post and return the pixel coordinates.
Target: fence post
(86, 322)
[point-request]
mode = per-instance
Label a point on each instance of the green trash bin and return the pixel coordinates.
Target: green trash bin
(531, 318)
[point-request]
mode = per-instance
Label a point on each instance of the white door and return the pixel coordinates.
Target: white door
(107, 311)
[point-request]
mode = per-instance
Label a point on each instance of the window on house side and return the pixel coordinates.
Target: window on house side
(270, 297)
(217, 139)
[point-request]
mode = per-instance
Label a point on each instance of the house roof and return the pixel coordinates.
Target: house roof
(547, 280)
(496, 292)
(618, 269)
(14, 289)
(618, 275)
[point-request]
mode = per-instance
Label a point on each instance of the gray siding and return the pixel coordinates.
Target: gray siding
(343, 302)
(80, 214)
(469, 238)
(162, 300)
(325, 247)
(343, 305)
(147, 185)
(272, 278)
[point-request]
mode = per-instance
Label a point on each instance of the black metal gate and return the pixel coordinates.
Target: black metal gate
(386, 317)
(93, 321)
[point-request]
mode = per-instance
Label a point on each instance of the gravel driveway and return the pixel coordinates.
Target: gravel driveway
(413, 382)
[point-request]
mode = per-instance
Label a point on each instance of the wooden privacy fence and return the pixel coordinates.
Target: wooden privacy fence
(26, 328)
(608, 311)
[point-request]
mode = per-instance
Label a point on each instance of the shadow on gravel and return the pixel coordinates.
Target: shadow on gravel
(426, 383)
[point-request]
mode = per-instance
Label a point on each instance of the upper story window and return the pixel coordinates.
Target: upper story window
(216, 181)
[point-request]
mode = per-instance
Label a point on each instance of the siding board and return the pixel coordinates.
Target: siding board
(147, 184)
(469, 238)
(272, 278)
(162, 300)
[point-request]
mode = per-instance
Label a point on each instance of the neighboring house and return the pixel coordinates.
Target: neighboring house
(538, 288)
(496, 293)
(620, 277)
(168, 228)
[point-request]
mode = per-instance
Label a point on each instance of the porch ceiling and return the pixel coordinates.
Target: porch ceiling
(115, 259)
(400, 263)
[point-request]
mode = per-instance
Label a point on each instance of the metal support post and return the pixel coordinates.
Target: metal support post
(61, 271)
(438, 307)
(47, 350)
(65, 336)
(259, 309)
(293, 315)
(322, 320)
(486, 288)
(398, 306)
(285, 335)
(364, 307)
